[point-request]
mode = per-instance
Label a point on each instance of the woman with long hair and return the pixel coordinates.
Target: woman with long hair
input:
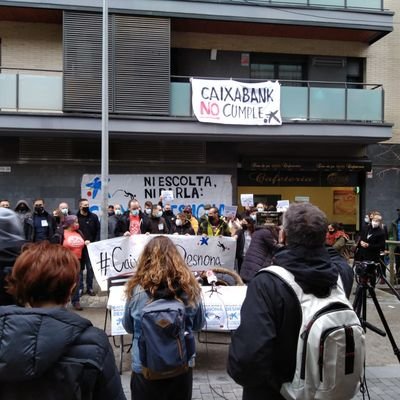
(161, 274)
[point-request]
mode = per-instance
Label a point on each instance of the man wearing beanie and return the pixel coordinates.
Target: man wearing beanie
(11, 240)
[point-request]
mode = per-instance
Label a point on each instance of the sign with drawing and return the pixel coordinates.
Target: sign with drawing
(179, 190)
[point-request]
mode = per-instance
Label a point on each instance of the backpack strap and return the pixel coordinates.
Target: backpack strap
(288, 277)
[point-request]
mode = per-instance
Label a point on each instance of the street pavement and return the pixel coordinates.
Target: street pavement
(211, 381)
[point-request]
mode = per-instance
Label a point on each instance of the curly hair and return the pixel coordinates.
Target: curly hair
(305, 225)
(161, 266)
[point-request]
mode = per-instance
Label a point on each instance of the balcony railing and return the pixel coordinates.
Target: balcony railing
(30, 90)
(42, 91)
(306, 100)
(347, 4)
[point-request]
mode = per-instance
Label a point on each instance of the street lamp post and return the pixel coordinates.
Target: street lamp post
(104, 126)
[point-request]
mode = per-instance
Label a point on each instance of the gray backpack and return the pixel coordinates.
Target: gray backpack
(165, 346)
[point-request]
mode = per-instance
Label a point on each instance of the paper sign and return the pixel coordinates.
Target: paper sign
(282, 205)
(222, 307)
(167, 195)
(230, 212)
(247, 200)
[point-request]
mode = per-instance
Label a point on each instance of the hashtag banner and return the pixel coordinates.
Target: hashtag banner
(118, 256)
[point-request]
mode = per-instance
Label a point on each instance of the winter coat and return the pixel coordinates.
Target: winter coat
(89, 225)
(29, 229)
(375, 237)
(154, 225)
(123, 223)
(262, 354)
(185, 229)
(259, 254)
(55, 355)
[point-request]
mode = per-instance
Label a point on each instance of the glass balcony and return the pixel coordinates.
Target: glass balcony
(307, 101)
(30, 90)
(42, 91)
(348, 4)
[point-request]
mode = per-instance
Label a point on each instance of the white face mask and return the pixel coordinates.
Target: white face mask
(64, 211)
(118, 212)
(366, 219)
(374, 224)
(148, 211)
(260, 209)
(178, 222)
(159, 214)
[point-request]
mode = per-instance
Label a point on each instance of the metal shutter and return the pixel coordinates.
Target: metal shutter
(142, 65)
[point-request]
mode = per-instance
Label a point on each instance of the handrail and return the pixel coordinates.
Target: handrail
(391, 245)
(29, 69)
(304, 82)
(304, 3)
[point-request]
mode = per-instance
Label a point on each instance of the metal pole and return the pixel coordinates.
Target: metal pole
(104, 127)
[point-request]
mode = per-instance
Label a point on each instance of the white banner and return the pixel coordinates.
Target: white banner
(236, 103)
(222, 307)
(119, 256)
(196, 190)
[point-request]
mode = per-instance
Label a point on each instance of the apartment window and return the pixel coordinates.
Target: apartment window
(278, 67)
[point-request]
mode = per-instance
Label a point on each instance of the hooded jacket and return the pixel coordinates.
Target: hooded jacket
(11, 241)
(51, 353)
(262, 353)
(262, 247)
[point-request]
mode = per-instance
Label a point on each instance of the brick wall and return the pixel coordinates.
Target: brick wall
(383, 66)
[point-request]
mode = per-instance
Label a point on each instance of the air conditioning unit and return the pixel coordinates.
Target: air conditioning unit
(331, 62)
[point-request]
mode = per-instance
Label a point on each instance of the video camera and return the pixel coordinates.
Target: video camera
(268, 217)
(367, 269)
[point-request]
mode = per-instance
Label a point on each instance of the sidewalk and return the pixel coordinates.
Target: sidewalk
(212, 382)
(383, 384)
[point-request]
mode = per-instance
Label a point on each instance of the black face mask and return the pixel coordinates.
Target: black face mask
(110, 213)
(22, 209)
(85, 209)
(39, 209)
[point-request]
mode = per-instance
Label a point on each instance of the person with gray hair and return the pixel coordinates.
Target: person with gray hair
(262, 354)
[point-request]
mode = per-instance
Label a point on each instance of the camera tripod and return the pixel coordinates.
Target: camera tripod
(367, 274)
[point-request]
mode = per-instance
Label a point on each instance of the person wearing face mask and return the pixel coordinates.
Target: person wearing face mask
(168, 214)
(40, 225)
(215, 225)
(182, 225)
(23, 211)
(113, 220)
(372, 242)
(157, 223)
(69, 236)
(337, 238)
(89, 225)
(192, 219)
(133, 221)
(204, 217)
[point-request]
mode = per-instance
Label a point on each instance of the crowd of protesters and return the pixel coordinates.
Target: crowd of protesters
(256, 243)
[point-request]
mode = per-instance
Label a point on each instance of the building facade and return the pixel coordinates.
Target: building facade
(336, 61)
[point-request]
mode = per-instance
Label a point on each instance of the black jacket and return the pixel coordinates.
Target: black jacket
(183, 229)
(89, 225)
(262, 247)
(124, 222)
(55, 355)
(262, 353)
(29, 229)
(375, 237)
